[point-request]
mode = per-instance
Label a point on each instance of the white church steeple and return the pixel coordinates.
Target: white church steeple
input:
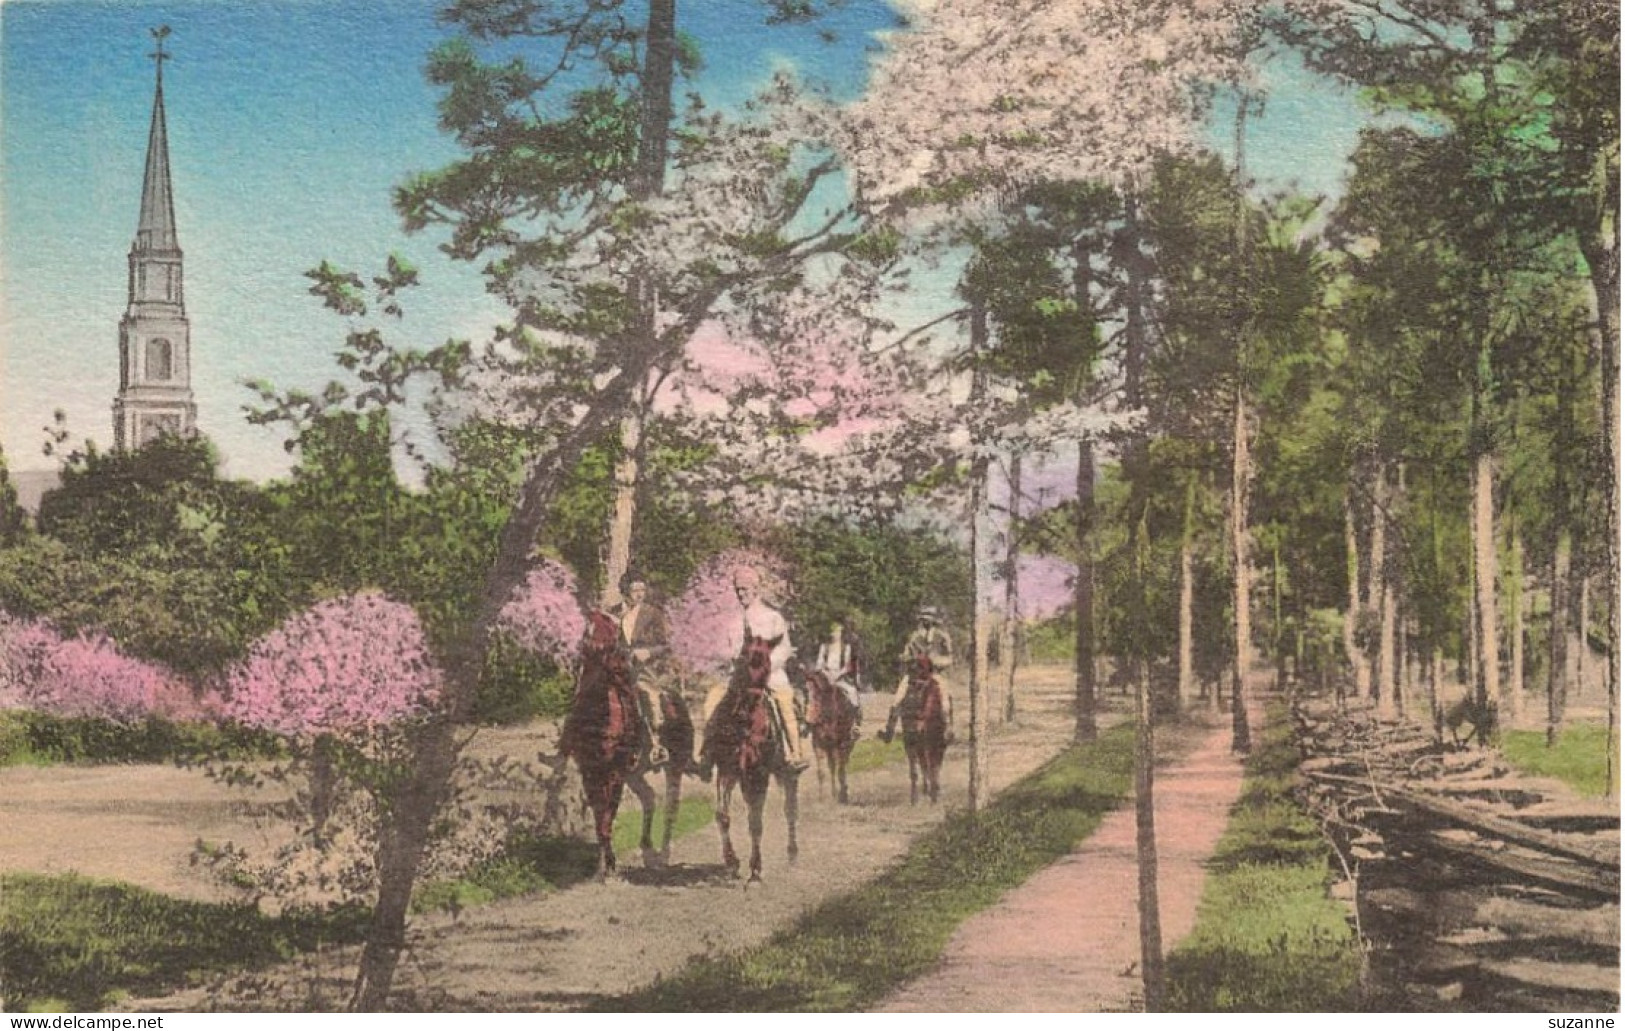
(155, 348)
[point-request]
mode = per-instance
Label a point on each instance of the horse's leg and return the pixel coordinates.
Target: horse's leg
(790, 786)
(755, 802)
(840, 771)
(604, 801)
(913, 777)
(823, 757)
(639, 786)
(674, 800)
(724, 795)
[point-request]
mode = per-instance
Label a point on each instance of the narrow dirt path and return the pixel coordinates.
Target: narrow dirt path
(1068, 940)
(568, 949)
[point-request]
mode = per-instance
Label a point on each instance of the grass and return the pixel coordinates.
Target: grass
(71, 943)
(1268, 938)
(1579, 759)
(851, 951)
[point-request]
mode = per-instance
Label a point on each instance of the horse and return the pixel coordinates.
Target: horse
(747, 753)
(831, 717)
(604, 735)
(925, 729)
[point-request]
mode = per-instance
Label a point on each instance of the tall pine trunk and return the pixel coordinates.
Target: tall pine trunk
(1012, 593)
(976, 726)
(1488, 687)
(1187, 601)
(619, 560)
(1085, 727)
(1241, 557)
(1241, 465)
(1352, 650)
(1381, 597)
(1557, 670)
(1515, 627)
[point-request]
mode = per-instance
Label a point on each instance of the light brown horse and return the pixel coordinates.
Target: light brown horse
(831, 718)
(604, 734)
(741, 741)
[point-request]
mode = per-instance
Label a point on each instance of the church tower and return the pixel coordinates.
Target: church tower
(154, 337)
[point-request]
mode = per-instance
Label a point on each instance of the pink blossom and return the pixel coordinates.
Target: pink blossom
(543, 614)
(708, 610)
(83, 675)
(351, 663)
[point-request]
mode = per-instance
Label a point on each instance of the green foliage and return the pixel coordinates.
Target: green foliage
(79, 944)
(519, 685)
(1267, 936)
(1579, 758)
(35, 738)
(877, 576)
(1054, 640)
(14, 523)
(851, 951)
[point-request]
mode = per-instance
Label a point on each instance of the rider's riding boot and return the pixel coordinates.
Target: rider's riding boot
(654, 753)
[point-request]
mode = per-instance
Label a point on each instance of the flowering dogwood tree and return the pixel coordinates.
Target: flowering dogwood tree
(544, 615)
(345, 666)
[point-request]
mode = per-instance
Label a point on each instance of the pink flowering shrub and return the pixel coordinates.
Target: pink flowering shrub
(85, 676)
(543, 614)
(708, 610)
(354, 663)
(1044, 585)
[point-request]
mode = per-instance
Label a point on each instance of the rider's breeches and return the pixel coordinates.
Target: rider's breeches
(649, 701)
(783, 697)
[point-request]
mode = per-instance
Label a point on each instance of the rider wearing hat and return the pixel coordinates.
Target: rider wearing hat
(762, 622)
(931, 640)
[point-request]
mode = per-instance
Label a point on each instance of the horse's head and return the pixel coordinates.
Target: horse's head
(920, 668)
(601, 647)
(758, 661)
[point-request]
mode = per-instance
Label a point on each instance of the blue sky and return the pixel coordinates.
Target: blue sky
(289, 123)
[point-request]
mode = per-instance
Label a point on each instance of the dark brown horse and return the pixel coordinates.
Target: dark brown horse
(831, 717)
(925, 729)
(604, 735)
(747, 752)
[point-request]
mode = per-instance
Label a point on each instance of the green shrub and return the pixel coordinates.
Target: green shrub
(36, 737)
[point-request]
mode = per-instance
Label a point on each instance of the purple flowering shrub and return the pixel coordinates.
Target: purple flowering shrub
(85, 675)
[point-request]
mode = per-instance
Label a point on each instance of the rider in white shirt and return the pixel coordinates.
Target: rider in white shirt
(764, 622)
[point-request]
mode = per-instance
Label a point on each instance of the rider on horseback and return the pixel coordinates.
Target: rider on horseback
(838, 661)
(643, 629)
(932, 641)
(765, 623)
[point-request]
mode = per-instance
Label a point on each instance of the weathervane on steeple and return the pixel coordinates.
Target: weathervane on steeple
(158, 56)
